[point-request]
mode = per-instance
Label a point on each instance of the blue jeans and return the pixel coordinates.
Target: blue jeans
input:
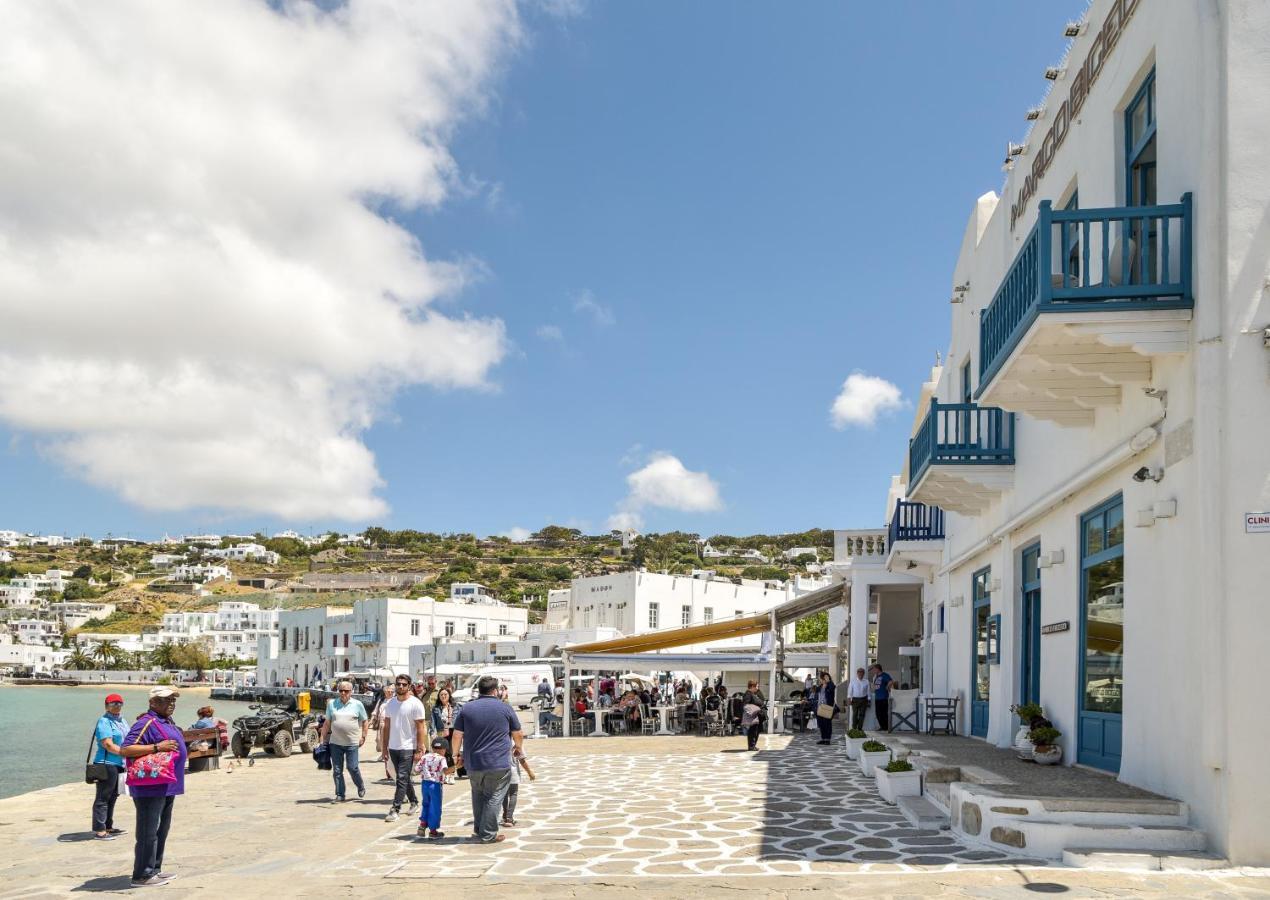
(489, 787)
(340, 757)
(430, 813)
(154, 817)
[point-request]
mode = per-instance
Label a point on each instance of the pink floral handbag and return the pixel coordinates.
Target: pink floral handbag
(155, 769)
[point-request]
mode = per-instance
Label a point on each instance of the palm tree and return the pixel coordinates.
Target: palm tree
(106, 653)
(79, 660)
(164, 655)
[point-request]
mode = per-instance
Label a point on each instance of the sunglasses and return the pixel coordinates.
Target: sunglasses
(346, 690)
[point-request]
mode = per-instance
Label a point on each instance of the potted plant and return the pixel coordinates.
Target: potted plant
(1045, 748)
(897, 779)
(872, 755)
(1028, 713)
(855, 738)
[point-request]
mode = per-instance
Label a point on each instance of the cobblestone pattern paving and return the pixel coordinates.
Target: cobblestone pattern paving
(803, 810)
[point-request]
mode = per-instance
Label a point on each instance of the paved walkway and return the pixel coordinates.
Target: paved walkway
(631, 815)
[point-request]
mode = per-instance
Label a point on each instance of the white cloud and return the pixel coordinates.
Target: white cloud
(517, 534)
(863, 398)
(665, 483)
(601, 315)
(200, 306)
(550, 333)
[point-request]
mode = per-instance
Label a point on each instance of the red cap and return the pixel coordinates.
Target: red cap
(114, 698)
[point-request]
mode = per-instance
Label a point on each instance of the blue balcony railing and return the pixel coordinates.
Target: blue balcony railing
(1084, 260)
(915, 522)
(961, 434)
(366, 637)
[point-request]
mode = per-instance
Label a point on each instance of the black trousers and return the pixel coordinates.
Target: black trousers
(859, 709)
(154, 818)
(104, 802)
(882, 708)
(402, 761)
(825, 726)
(751, 736)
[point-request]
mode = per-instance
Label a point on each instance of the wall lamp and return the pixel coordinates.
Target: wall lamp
(1034, 112)
(1053, 558)
(1053, 73)
(1072, 29)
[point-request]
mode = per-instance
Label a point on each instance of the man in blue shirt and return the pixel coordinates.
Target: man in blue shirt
(485, 731)
(882, 696)
(111, 728)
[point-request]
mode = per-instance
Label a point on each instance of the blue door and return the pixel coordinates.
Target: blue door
(980, 652)
(1101, 636)
(1030, 627)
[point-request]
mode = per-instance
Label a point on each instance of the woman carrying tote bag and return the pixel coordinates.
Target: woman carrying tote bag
(825, 708)
(156, 753)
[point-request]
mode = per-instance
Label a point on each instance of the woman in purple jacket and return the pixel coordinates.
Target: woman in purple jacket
(154, 732)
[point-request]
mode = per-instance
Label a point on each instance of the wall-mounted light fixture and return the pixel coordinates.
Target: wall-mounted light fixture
(1072, 29)
(1052, 558)
(1034, 112)
(1053, 73)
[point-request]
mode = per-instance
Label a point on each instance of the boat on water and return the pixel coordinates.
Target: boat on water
(47, 680)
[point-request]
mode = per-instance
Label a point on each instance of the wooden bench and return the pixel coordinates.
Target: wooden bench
(202, 760)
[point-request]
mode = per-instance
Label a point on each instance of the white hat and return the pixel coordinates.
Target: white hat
(164, 692)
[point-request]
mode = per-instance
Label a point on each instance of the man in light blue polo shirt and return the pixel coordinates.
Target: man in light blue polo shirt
(111, 728)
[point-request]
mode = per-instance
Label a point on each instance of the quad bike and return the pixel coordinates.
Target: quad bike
(274, 729)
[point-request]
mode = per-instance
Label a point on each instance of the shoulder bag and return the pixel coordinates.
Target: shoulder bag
(156, 768)
(825, 710)
(95, 772)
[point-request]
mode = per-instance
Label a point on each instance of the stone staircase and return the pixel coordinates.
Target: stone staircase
(1140, 833)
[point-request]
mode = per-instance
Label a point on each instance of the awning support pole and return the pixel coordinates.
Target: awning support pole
(771, 682)
(566, 725)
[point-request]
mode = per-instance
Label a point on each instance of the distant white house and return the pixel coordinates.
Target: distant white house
(199, 574)
(795, 552)
(49, 540)
(166, 560)
(13, 596)
(36, 631)
(246, 553)
(206, 540)
(5, 556)
(11, 539)
(349, 540)
(128, 643)
(52, 580)
(74, 614)
(37, 657)
(710, 552)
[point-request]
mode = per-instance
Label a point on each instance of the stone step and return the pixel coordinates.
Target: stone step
(922, 813)
(1050, 839)
(937, 793)
(1143, 860)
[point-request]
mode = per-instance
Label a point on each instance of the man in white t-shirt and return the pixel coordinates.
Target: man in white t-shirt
(404, 733)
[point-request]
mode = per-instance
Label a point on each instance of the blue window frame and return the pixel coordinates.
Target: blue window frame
(980, 658)
(1101, 686)
(1140, 160)
(967, 393)
(941, 618)
(1071, 247)
(1030, 626)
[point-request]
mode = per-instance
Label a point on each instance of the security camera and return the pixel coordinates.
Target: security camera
(1148, 473)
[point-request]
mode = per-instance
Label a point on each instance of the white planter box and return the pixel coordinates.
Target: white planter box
(853, 747)
(898, 784)
(868, 761)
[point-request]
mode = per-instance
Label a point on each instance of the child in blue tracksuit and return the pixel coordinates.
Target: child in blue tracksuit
(432, 768)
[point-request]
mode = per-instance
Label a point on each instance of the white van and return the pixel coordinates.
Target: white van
(522, 681)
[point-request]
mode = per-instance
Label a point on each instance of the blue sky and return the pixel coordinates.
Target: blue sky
(695, 220)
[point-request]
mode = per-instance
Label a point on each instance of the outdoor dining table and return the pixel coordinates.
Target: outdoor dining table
(600, 712)
(781, 706)
(663, 712)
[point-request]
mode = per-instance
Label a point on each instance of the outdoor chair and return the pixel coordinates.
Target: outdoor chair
(941, 712)
(647, 720)
(579, 726)
(904, 711)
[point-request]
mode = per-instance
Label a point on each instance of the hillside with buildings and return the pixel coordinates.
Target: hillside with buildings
(208, 600)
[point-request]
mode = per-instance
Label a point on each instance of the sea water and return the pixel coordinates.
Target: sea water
(45, 731)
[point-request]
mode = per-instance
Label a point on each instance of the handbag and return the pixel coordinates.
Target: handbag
(96, 772)
(155, 769)
(825, 710)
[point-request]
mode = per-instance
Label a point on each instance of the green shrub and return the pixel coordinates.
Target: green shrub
(856, 733)
(1044, 737)
(898, 765)
(1027, 711)
(873, 747)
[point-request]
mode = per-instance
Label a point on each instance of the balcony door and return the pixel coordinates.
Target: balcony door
(980, 652)
(1030, 627)
(1102, 636)
(1140, 162)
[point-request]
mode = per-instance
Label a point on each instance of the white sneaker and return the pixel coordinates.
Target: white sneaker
(412, 809)
(392, 816)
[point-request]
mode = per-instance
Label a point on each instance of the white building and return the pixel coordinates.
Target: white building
(639, 601)
(232, 631)
(377, 633)
(13, 596)
(36, 631)
(199, 574)
(246, 553)
(202, 540)
(126, 642)
(1098, 438)
(795, 552)
(5, 556)
(35, 657)
(74, 614)
(166, 560)
(11, 539)
(53, 580)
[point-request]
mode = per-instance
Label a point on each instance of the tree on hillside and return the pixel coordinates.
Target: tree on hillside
(164, 655)
(557, 534)
(83, 573)
(78, 590)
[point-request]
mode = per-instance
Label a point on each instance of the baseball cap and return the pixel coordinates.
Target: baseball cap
(164, 692)
(438, 743)
(114, 698)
